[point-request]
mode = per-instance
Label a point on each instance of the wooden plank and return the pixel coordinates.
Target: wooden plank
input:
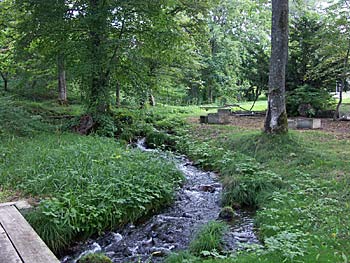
(7, 204)
(8, 253)
(28, 244)
(21, 204)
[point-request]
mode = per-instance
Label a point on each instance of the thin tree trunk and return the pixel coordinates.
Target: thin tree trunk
(152, 100)
(276, 117)
(62, 85)
(343, 80)
(117, 94)
(5, 79)
(257, 94)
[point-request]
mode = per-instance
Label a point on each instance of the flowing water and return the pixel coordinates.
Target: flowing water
(196, 203)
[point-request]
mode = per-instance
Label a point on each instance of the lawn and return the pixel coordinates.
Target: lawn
(298, 182)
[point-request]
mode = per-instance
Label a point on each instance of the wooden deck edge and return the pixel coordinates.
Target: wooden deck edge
(22, 204)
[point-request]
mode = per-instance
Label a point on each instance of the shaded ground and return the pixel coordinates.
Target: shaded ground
(340, 129)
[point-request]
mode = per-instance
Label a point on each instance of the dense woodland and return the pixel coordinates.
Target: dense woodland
(179, 52)
(123, 70)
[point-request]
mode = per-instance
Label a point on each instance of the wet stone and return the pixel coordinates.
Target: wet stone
(207, 188)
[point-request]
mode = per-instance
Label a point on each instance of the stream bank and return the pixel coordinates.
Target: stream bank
(196, 203)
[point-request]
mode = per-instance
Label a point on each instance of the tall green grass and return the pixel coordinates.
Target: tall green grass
(208, 238)
(88, 184)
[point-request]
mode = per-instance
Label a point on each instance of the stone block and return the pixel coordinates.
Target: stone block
(292, 124)
(215, 118)
(309, 123)
(224, 112)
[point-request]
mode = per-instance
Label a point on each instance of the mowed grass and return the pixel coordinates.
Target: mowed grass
(299, 182)
(86, 184)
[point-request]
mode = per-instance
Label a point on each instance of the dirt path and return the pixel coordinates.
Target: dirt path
(340, 129)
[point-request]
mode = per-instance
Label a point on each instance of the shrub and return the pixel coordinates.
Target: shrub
(310, 98)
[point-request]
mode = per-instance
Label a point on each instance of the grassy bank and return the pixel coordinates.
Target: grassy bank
(83, 184)
(87, 184)
(299, 182)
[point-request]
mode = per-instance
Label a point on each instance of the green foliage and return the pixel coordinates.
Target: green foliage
(304, 45)
(249, 189)
(90, 185)
(182, 257)
(316, 99)
(15, 120)
(157, 139)
(95, 258)
(208, 238)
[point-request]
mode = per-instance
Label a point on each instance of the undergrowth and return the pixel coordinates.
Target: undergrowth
(17, 121)
(89, 184)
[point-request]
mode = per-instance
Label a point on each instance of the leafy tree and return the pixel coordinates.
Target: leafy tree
(338, 47)
(122, 42)
(7, 41)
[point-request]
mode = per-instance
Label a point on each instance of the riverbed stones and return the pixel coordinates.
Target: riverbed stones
(207, 188)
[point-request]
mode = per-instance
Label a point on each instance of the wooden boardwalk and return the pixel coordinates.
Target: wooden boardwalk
(19, 243)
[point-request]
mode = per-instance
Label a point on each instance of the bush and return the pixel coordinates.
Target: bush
(307, 100)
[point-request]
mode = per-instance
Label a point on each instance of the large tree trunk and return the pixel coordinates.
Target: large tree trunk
(99, 75)
(343, 81)
(276, 117)
(62, 86)
(5, 79)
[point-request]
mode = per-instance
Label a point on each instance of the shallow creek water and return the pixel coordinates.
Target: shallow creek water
(196, 203)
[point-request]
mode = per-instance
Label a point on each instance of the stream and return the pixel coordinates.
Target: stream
(196, 203)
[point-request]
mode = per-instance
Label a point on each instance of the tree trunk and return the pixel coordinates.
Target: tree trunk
(276, 117)
(5, 79)
(99, 74)
(343, 80)
(117, 94)
(62, 86)
(152, 100)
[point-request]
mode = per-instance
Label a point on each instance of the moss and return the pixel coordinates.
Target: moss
(282, 123)
(227, 213)
(95, 258)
